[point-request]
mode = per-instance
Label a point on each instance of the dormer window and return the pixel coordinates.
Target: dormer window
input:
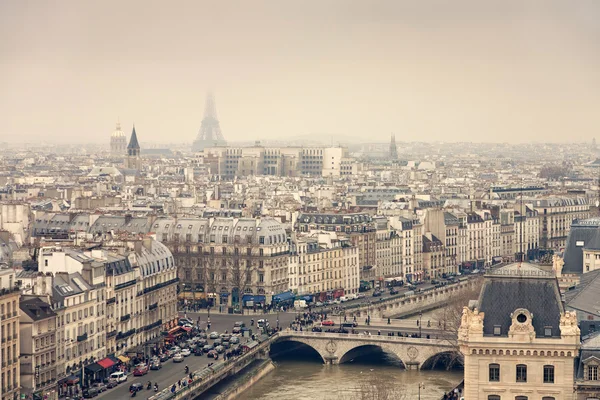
(497, 330)
(592, 372)
(548, 331)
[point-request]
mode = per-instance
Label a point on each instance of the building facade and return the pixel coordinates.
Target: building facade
(9, 335)
(515, 345)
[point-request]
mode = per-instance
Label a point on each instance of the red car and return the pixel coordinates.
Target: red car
(140, 370)
(328, 323)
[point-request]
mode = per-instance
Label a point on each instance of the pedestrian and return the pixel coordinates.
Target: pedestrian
(379, 332)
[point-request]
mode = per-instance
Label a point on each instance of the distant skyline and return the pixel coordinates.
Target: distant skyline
(432, 70)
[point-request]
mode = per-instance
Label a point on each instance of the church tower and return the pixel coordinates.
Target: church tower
(133, 153)
(393, 148)
(118, 142)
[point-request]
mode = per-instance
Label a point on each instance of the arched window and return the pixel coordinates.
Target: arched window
(494, 372)
(521, 398)
(550, 398)
(521, 374)
(493, 397)
(548, 373)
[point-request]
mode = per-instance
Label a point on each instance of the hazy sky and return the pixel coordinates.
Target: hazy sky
(451, 70)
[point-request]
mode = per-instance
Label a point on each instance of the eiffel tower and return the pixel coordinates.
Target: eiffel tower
(210, 131)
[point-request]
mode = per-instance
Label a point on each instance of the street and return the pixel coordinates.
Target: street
(171, 372)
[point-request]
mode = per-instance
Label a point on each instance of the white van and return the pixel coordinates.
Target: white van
(300, 304)
(118, 377)
(344, 299)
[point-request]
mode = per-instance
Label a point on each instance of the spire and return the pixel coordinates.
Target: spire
(133, 142)
(393, 148)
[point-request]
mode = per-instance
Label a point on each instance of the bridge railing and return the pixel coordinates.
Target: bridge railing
(393, 299)
(209, 376)
(379, 338)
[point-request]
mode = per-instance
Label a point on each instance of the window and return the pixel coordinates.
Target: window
(547, 331)
(494, 372)
(493, 397)
(521, 373)
(497, 330)
(548, 373)
(592, 371)
(550, 398)
(521, 398)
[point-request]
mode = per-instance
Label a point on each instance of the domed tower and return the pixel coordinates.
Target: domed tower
(118, 142)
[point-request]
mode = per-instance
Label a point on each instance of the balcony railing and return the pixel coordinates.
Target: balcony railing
(111, 300)
(122, 335)
(111, 333)
(160, 285)
(126, 284)
(83, 337)
(125, 317)
(153, 306)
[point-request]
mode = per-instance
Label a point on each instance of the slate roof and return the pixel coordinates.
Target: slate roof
(36, 309)
(133, 142)
(583, 234)
(512, 287)
(585, 296)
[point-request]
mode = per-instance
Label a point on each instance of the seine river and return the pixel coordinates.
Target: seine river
(303, 378)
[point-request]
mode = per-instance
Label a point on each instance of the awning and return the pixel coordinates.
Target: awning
(255, 298)
(93, 368)
(106, 363)
(113, 359)
(124, 359)
(283, 296)
(307, 298)
(72, 380)
(174, 330)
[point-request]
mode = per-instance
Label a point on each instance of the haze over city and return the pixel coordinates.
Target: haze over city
(493, 71)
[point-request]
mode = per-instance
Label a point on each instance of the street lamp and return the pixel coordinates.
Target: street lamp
(420, 322)
(421, 386)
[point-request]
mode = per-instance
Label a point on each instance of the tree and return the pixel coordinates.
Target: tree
(448, 319)
(374, 387)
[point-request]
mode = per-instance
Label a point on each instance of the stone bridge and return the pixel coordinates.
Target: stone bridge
(407, 305)
(337, 348)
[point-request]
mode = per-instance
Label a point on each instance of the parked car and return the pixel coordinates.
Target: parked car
(217, 342)
(208, 348)
(177, 358)
(393, 291)
(185, 321)
(136, 387)
(163, 357)
(239, 324)
(236, 329)
(111, 384)
(118, 376)
(185, 352)
(175, 349)
(376, 293)
(214, 335)
(234, 340)
(100, 387)
(140, 370)
(156, 365)
(213, 354)
(88, 393)
(219, 349)
(328, 322)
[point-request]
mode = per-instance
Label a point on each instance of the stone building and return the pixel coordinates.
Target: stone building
(10, 346)
(38, 349)
(556, 215)
(223, 259)
(517, 340)
(323, 265)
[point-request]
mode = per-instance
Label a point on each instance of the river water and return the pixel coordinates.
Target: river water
(305, 378)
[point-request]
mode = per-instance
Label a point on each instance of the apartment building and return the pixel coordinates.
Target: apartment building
(556, 215)
(221, 260)
(324, 265)
(37, 336)
(9, 335)
(388, 253)
(358, 227)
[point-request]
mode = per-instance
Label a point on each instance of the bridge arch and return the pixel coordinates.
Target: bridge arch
(290, 344)
(444, 360)
(371, 349)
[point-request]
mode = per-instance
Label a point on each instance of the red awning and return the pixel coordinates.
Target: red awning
(106, 363)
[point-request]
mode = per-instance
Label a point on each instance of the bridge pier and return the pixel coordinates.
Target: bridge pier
(331, 360)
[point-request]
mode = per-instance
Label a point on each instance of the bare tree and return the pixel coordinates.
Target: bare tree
(448, 319)
(374, 387)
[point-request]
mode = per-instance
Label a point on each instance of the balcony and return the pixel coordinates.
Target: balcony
(111, 301)
(122, 335)
(126, 284)
(83, 337)
(111, 333)
(153, 306)
(125, 317)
